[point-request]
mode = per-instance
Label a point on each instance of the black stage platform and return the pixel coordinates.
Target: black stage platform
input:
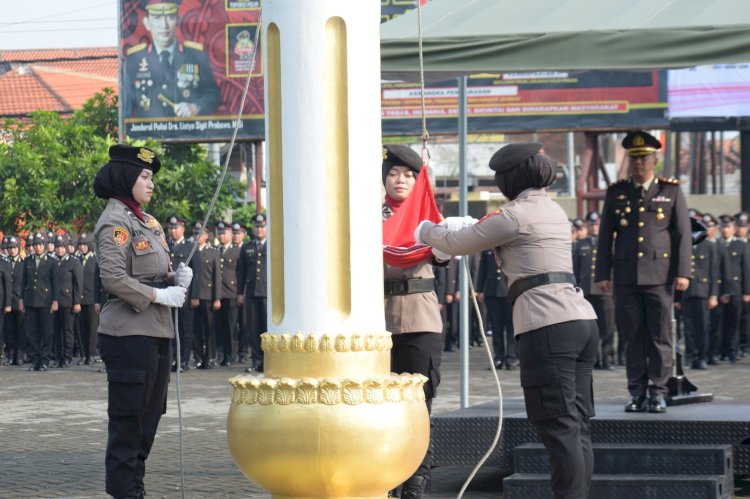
(462, 437)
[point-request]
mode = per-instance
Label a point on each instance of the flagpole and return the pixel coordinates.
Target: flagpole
(463, 210)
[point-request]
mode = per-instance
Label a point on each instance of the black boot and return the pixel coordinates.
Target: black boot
(413, 487)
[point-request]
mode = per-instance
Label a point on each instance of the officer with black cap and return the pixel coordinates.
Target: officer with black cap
(734, 289)
(135, 324)
(16, 337)
(205, 298)
(584, 264)
(39, 302)
(252, 291)
(742, 222)
(699, 299)
(6, 291)
(179, 250)
(92, 299)
(51, 244)
(70, 281)
(555, 326)
(239, 231)
(650, 260)
(412, 313)
(226, 317)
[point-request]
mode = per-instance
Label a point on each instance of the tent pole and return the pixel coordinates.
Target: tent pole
(463, 210)
(744, 161)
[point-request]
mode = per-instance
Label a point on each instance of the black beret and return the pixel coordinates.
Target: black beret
(400, 155)
(142, 157)
(13, 242)
(640, 143)
(512, 155)
(222, 226)
(238, 227)
(593, 217)
(259, 220)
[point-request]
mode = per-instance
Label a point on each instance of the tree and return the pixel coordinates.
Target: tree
(48, 164)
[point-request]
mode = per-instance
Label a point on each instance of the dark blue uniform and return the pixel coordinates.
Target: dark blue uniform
(188, 78)
(252, 282)
(493, 282)
(39, 290)
(704, 285)
(652, 248)
(735, 283)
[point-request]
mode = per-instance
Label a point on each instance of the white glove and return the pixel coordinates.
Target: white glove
(418, 229)
(173, 296)
(183, 276)
(458, 223)
(440, 256)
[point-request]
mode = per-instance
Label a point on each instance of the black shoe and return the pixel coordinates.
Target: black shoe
(713, 361)
(620, 360)
(637, 404)
(259, 367)
(80, 362)
(498, 364)
(15, 362)
(414, 487)
(657, 404)
(606, 366)
(88, 361)
(34, 367)
(700, 365)
(597, 365)
(393, 492)
(226, 362)
(511, 365)
(43, 367)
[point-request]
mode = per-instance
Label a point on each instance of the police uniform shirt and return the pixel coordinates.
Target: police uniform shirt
(70, 281)
(206, 283)
(178, 253)
(251, 270)
(229, 258)
(91, 279)
(705, 265)
(653, 243)
(736, 261)
(6, 283)
(187, 79)
(491, 279)
(531, 236)
(40, 283)
(133, 257)
(17, 265)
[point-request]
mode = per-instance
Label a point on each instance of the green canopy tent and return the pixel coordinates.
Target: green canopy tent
(471, 36)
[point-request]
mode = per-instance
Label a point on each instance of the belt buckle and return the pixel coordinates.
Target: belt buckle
(399, 287)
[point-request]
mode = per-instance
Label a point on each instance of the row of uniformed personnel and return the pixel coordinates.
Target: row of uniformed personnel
(51, 298)
(225, 309)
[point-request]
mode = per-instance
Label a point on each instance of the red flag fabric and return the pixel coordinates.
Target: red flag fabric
(399, 248)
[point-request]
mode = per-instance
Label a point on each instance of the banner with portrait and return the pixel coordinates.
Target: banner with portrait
(184, 68)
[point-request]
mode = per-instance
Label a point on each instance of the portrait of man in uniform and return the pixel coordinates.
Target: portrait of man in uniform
(167, 78)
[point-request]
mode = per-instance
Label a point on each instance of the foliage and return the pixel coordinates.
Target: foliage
(48, 164)
(244, 214)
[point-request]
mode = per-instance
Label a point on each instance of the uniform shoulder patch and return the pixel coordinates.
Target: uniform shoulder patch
(120, 235)
(193, 45)
(488, 215)
(136, 48)
(669, 180)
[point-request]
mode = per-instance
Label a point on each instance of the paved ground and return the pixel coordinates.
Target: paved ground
(53, 429)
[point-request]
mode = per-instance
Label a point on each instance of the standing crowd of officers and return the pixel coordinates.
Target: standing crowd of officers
(51, 296)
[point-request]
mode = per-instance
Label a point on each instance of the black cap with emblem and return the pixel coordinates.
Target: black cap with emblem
(38, 238)
(174, 221)
(197, 227)
(61, 241)
(578, 223)
(742, 219)
(640, 143)
(726, 220)
(5, 242)
(259, 220)
(142, 157)
(593, 217)
(709, 220)
(85, 238)
(222, 226)
(238, 227)
(13, 242)
(400, 155)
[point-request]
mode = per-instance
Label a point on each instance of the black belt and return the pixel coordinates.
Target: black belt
(408, 286)
(522, 285)
(154, 284)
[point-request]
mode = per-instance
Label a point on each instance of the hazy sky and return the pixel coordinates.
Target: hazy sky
(35, 24)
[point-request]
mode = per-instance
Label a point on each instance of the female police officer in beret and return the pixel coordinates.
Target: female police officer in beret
(135, 324)
(554, 325)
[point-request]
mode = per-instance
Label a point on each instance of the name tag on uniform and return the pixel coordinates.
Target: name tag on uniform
(662, 199)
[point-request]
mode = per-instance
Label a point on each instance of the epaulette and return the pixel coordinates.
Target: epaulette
(136, 48)
(669, 180)
(193, 45)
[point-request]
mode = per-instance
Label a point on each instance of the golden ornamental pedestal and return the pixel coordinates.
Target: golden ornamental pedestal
(328, 420)
(351, 430)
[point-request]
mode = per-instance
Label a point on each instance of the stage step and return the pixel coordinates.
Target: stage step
(633, 470)
(537, 486)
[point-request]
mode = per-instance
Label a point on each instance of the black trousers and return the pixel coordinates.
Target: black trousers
(64, 334)
(256, 323)
(226, 322)
(500, 313)
(419, 353)
(697, 324)
(714, 331)
(39, 334)
(89, 323)
(604, 307)
(203, 329)
(556, 366)
(185, 327)
(138, 377)
(730, 328)
(15, 338)
(644, 314)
